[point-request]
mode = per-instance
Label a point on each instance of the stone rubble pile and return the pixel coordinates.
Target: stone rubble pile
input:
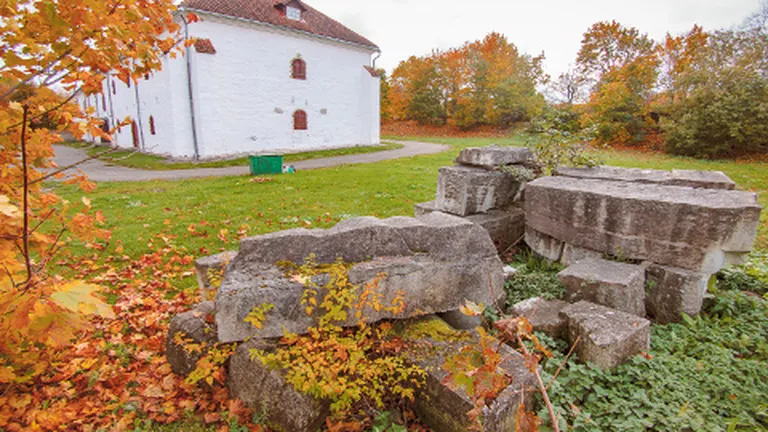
(672, 230)
(477, 190)
(636, 243)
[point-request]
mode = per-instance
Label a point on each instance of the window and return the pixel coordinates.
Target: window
(299, 69)
(104, 101)
(114, 89)
(128, 83)
(293, 13)
(299, 120)
(152, 125)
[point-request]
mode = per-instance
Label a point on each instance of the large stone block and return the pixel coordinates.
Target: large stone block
(436, 261)
(505, 226)
(493, 156)
(696, 229)
(688, 178)
(463, 190)
(544, 245)
(573, 254)
(444, 409)
(265, 391)
(672, 292)
(607, 337)
(544, 315)
(205, 266)
(196, 327)
(616, 285)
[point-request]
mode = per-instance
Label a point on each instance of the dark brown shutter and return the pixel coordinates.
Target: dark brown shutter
(299, 120)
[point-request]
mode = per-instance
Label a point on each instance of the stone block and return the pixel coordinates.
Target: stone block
(687, 178)
(445, 409)
(694, 229)
(672, 292)
(544, 245)
(265, 391)
(493, 156)
(616, 285)
(437, 261)
(544, 315)
(203, 268)
(463, 190)
(198, 327)
(505, 226)
(607, 337)
(424, 208)
(460, 321)
(573, 254)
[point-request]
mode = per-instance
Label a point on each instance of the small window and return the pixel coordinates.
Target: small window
(114, 89)
(299, 120)
(152, 125)
(299, 69)
(128, 83)
(293, 13)
(104, 101)
(146, 77)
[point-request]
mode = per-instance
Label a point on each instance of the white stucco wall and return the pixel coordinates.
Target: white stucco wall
(245, 97)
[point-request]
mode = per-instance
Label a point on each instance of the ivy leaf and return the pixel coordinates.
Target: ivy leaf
(78, 296)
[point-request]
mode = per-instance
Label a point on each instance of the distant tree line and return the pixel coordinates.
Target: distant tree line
(701, 93)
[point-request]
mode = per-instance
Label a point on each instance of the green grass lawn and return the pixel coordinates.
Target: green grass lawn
(320, 198)
(131, 159)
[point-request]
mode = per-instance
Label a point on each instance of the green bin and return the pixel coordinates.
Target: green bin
(266, 164)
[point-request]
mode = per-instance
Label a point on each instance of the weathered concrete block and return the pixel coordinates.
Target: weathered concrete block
(266, 391)
(460, 321)
(493, 156)
(616, 285)
(688, 178)
(505, 226)
(607, 337)
(444, 409)
(463, 190)
(424, 208)
(437, 261)
(672, 292)
(544, 245)
(573, 254)
(544, 315)
(205, 265)
(196, 326)
(695, 229)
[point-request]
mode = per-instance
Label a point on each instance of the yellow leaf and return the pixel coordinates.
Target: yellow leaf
(86, 201)
(7, 208)
(472, 309)
(15, 106)
(78, 297)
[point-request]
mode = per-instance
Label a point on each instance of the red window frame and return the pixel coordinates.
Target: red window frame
(152, 125)
(300, 120)
(298, 69)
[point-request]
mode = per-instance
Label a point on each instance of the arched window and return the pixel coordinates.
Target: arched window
(152, 125)
(299, 120)
(299, 69)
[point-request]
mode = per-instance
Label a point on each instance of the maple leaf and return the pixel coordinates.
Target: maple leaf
(78, 296)
(7, 208)
(471, 308)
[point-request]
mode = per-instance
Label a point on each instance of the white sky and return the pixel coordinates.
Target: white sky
(402, 28)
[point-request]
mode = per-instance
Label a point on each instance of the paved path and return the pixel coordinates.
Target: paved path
(97, 170)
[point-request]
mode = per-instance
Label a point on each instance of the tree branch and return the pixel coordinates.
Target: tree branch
(542, 388)
(68, 167)
(25, 168)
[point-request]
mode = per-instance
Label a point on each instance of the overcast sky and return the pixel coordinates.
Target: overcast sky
(402, 28)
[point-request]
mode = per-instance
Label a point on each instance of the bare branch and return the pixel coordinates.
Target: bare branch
(68, 167)
(570, 353)
(26, 209)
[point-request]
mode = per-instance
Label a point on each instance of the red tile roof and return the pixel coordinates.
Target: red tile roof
(204, 46)
(268, 11)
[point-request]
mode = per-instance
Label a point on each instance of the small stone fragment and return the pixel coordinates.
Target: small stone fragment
(424, 208)
(196, 332)
(672, 292)
(544, 245)
(616, 285)
(544, 315)
(607, 337)
(209, 266)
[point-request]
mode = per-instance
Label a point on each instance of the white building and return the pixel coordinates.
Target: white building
(263, 75)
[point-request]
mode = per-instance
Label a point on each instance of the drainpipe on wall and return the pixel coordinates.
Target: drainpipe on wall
(373, 65)
(138, 113)
(189, 88)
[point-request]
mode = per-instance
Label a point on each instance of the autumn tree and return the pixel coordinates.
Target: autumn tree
(67, 45)
(622, 65)
(720, 105)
